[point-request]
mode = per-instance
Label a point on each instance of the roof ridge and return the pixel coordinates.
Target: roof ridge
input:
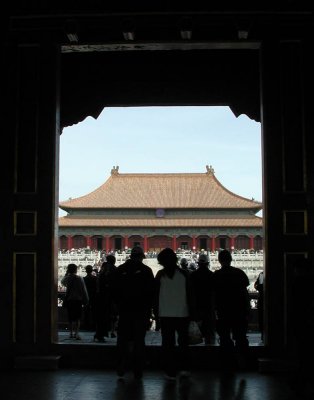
(160, 173)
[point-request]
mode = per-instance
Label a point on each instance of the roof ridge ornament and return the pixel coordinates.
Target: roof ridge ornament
(210, 170)
(115, 170)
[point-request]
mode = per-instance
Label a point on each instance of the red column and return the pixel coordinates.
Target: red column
(194, 243)
(70, 242)
(89, 241)
(107, 243)
(126, 241)
(251, 242)
(145, 244)
(174, 243)
(213, 243)
(232, 241)
(102, 242)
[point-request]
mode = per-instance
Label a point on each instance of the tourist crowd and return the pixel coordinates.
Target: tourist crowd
(125, 300)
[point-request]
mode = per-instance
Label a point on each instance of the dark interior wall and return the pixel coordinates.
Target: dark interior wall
(90, 81)
(39, 6)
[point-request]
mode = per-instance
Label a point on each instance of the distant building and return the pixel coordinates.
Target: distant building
(190, 211)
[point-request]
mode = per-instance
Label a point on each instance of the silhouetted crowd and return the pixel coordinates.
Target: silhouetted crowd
(125, 302)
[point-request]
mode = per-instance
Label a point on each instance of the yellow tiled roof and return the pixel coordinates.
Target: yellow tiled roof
(180, 190)
(72, 221)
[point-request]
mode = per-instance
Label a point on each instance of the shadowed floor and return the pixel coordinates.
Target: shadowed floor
(101, 383)
(78, 384)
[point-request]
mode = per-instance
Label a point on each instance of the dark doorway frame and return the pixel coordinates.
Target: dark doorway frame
(126, 98)
(32, 56)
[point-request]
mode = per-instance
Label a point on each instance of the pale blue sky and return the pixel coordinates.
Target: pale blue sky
(162, 139)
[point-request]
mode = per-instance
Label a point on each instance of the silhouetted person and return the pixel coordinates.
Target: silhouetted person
(232, 307)
(132, 285)
(184, 264)
(76, 296)
(259, 286)
(192, 267)
(174, 307)
(90, 280)
(103, 302)
(202, 280)
(112, 309)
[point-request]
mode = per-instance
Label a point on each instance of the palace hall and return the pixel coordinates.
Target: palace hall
(187, 211)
